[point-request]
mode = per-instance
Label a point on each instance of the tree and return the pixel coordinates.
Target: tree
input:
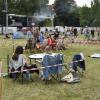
(62, 7)
(0, 12)
(26, 7)
(85, 16)
(65, 10)
(95, 11)
(90, 16)
(23, 7)
(73, 20)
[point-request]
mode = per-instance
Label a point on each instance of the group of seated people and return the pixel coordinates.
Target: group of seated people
(49, 43)
(19, 63)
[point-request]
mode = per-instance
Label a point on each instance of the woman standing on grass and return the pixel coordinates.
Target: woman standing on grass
(0, 79)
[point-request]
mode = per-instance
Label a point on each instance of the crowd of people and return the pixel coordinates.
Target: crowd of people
(54, 39)
(47, 40)
(89, 33)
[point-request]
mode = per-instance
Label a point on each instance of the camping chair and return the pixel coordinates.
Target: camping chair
(73, 69)
(77, 63)
(52, 66)
(31, 69)
(18, 72)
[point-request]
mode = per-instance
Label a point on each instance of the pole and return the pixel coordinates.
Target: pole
(52, 22)
(52, 17)
(13, 44)
(6, 24)
(6, 8)
(3, 11)
(2, 22)
(26, 21)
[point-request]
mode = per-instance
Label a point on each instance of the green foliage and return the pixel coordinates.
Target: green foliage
(95, 10)
(0, 11)
(63, 7)
(90, 16)
(23, 7)
(26, 7)
(46, 22)
(66, 13)
(85, 16)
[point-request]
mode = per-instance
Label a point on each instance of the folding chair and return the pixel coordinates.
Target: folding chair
(31, 69)
(52, 66)
(13, 71)
(78, 61)
(76, 65)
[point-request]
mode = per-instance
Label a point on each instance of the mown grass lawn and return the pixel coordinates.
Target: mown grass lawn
(87, 89)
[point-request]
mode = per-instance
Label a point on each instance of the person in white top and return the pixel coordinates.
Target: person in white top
(17, 63)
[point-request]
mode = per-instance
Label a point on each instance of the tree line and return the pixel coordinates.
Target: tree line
(66, 11)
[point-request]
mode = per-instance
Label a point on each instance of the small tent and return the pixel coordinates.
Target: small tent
(18, 35)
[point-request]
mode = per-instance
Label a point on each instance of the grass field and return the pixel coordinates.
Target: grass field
(87, 89)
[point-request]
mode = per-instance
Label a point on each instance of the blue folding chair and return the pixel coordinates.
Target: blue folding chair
(52, 66)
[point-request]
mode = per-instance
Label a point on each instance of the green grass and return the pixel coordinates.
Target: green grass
(87, 89)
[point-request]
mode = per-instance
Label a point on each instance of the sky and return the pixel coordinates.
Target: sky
(51, 2)
(83, 2)
(78, 2)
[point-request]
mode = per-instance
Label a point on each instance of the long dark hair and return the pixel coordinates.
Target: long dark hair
(18, 51)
